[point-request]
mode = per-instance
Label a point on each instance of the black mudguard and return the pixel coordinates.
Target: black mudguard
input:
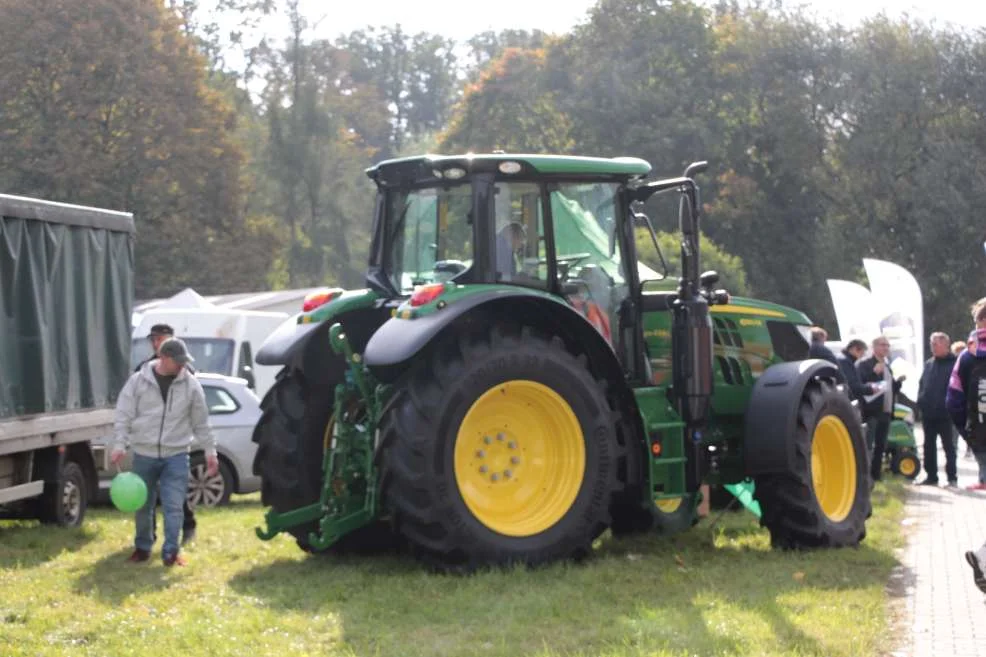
(282, 344)
(772, 413)
(399, 340)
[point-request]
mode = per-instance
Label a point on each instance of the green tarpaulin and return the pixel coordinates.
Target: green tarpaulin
(66, 293)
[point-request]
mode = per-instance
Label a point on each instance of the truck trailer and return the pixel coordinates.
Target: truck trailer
(66, 294)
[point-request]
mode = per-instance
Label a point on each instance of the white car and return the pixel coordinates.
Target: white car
(234, 410)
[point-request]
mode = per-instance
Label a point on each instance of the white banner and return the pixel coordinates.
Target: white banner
(899, 307)
(854, 311)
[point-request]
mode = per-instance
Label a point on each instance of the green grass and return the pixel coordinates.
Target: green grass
(718, 591)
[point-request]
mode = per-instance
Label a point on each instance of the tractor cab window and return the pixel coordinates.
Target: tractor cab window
(519, 250)
(432, 238)
(590, 267)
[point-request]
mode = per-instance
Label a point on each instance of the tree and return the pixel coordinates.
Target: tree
(105, 103)
(509, 108)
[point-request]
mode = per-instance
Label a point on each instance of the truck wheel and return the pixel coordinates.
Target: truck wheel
(207, 491)
(64, 501)
(906, 464)
(500, 449)
(824, 500)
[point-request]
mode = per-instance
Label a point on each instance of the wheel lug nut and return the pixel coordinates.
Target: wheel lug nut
(515, 460)
(507, 474)
(499, 437)
(512, 445)
(487, 440)
(480, 454)
(483, 469)
(494, 477)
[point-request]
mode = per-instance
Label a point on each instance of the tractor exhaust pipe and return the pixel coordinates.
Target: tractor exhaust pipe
(691, 334)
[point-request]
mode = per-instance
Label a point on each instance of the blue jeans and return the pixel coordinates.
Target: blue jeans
(172, 475)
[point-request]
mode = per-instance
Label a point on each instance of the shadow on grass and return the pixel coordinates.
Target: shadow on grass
(113, 579)
(647, 590)
(29, 543)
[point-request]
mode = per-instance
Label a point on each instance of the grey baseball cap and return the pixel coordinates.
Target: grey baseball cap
(175, 349)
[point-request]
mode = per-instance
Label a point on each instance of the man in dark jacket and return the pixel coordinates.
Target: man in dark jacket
(878, 411)
(817, 349)
(934, 414)
(847, 365)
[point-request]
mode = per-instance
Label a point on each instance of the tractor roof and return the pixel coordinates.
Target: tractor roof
(422, 166)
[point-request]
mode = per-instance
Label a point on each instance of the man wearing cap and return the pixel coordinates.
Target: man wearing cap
(159, 413)
(157, 335)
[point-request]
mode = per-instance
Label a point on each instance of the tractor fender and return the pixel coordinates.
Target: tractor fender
(281, 345)
(398, 340)
(773, 411)
(293, 334)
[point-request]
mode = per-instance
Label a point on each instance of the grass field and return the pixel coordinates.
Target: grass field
(718, 591)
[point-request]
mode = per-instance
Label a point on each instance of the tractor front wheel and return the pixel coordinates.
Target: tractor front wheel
(905, 463)
(824, 500)
(500, 449)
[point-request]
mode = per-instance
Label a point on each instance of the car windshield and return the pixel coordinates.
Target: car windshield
(432, 240)
(211, 354)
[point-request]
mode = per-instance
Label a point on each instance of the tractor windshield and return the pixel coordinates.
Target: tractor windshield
(432, 238)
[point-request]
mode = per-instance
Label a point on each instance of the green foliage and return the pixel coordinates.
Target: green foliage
(732, 275)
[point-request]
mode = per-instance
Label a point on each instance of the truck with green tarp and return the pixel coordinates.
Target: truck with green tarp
(66, 294)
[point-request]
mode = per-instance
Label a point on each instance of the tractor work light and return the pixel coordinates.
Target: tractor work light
(454, 173)
(509, 167)
(319, 297)
(425, 294)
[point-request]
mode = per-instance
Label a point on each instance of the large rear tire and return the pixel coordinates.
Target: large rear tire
(824, 500)
(500, 449)
(290, 437)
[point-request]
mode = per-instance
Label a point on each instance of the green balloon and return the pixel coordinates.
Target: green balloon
(128, 492)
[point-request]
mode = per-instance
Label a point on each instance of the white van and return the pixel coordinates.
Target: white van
(221, 341)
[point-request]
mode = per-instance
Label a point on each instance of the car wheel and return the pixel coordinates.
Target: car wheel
(207, 491)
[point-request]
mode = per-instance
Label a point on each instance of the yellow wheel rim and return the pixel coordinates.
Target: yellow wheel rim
(668, 506)
(833, 468)
(519, 458)
(907, 466)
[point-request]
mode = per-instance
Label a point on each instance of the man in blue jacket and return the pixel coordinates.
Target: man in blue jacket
(847, 365)
(935, 418)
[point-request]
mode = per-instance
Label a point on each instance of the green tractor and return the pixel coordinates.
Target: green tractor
(512, 382)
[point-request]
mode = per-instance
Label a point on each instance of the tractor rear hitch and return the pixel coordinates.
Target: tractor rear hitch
(348, 497)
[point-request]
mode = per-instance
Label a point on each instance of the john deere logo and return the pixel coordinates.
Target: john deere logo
(751, 322)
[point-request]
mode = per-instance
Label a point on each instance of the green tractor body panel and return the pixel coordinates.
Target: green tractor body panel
(285, 342)
(542, 164)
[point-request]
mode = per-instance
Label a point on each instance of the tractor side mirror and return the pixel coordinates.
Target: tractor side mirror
(709, 278)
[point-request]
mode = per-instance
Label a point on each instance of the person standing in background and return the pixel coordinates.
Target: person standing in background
(878, 411)
(817, 349)
(935, 418)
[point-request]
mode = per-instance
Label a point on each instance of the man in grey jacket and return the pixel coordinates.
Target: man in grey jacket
(159, 412)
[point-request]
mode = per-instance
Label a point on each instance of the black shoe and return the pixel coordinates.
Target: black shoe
(953, 483)
(188, 534)
(928, 482)
(977, 571)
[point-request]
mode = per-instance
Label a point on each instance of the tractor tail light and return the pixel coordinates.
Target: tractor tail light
(426, 294)
(319, 298)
